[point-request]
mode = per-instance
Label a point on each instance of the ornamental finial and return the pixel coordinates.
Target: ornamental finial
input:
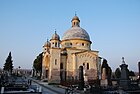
(55, 31)
(75, 13)
(47, 39)
(123, 60)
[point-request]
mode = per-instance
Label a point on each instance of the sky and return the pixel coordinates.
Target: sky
(113, 26)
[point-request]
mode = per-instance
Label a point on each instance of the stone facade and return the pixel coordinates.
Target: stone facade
(62, 58)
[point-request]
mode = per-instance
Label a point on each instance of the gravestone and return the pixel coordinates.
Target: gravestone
(124, 80)
(81, 78)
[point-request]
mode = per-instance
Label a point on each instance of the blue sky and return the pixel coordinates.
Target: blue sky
(113, 26)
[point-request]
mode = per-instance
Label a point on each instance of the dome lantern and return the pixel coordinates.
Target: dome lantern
(75, 21)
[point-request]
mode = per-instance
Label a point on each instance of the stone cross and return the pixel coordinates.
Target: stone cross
(123, 62)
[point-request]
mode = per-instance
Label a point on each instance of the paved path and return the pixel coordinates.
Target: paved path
(51, 88)
(44, 89)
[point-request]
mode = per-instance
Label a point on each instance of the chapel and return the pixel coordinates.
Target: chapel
(63, 57)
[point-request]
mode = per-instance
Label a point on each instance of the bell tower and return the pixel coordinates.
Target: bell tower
(55, 55)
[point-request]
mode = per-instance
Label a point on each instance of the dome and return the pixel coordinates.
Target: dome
(55, 36)
(75, 18)
(47, 44)
(76, 33)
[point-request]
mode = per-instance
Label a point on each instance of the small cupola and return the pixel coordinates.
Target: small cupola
(75, 21)
(47, 44)
(55, 41)
(55, 36)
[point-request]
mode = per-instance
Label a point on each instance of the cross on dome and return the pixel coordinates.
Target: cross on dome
(123, 60)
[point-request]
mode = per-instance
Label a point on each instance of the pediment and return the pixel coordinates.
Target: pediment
(87, 54)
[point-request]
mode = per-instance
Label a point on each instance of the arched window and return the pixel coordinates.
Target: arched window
(82, 44)
(55, 62)
(56, 44)
(61, 66)
(87, 66)
(84, 65)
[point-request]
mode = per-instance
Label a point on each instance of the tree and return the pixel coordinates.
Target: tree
(118, 73)
(104, 65)
(131, 73)
(108, 69)
(37, 64)
(8, 66)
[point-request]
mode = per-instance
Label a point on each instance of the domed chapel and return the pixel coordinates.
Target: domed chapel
(63, 57)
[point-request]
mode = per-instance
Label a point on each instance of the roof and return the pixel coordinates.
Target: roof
(76, 33)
